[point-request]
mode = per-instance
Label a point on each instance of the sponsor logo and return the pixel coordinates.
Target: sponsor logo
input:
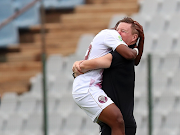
(102, 99)
(120, 38)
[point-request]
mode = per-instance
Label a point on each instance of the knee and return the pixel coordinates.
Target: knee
(119, 121)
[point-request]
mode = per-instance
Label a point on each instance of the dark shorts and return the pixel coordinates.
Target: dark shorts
(106, 130)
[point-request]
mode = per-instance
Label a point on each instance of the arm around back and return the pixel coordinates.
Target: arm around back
(126, 52)
(97, 63)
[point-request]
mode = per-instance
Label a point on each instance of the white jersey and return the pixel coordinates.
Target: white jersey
(104, 42)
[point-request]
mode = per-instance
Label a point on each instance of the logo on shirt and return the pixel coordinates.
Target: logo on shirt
(120, 38)
(102, 99)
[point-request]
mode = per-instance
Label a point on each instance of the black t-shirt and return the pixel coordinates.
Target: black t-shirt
(118, 84)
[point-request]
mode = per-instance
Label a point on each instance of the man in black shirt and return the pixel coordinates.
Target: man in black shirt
(118, 82)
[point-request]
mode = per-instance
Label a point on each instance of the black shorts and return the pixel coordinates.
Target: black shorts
(106, 130)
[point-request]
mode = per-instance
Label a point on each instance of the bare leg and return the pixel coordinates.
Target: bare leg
(112, 116)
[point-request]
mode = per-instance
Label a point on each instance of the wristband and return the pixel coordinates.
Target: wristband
(137, 51)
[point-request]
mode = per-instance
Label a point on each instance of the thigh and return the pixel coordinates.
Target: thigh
(92, 102)
(111, 115)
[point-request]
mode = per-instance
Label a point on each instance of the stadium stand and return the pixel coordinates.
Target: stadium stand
(87, 128)
(173, 25)
(54, 67)
(148, 8)
(5, 14)
(60, 86)
(165, 104)
(141, 106)
(33, 124)
(30, 17)
(141, 122)
(8, 104)
(141, 19)
(50, 3)
(168, 8)
(175, 83)
(74, 28)
(53, 103)
(2, 122)
(157, 62)
(163, 46)
(62, 4)
(177, 45)
(27, 104)
(157, 23)
(140, 83)
(171, 124)
(66, 4)
(73, 123)
(8, 34)
(158, 121)
(171, 63)
(160, 83)
(115, 18)
(36, 86)
(14, 124)
(66, 100)
(55, 123)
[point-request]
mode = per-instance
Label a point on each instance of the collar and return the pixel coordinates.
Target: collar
(132, 46)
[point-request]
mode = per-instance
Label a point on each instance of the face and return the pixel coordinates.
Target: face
(124, 29)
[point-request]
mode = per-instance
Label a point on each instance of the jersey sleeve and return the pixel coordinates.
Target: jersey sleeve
(113, 39)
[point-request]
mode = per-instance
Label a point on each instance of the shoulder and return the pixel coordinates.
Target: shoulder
(112, 31)
(108, 34)
(109, 31)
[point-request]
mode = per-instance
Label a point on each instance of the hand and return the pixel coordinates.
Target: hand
(139, 28)
(76, 68)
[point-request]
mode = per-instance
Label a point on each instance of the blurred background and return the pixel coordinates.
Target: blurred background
(69, 27)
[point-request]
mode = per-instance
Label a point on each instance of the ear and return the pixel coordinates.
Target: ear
(135, 37)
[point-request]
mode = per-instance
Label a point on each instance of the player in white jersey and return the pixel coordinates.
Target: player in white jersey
(104, 42)
(87, 92)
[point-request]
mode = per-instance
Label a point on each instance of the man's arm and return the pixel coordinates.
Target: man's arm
(140, 44)
(101, 62)
(80, 67)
